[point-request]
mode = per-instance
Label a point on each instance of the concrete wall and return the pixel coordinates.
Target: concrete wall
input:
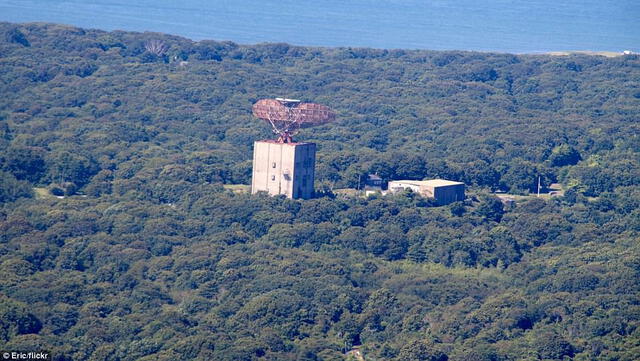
(448, 194)
(284, 168)
(397, 186)
(304, 170)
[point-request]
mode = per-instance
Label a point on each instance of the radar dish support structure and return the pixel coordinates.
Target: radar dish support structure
(287, 116)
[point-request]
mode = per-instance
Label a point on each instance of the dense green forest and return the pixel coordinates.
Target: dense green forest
(145, 255)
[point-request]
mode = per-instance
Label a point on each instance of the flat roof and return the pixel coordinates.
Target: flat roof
(430, 182)
(275, 141)
(286, 100)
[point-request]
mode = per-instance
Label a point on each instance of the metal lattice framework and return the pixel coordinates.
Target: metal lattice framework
(287, 116)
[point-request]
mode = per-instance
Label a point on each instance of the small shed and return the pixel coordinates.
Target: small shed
(373, 181)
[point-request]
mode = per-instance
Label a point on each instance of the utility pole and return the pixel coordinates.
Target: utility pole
(538, 186)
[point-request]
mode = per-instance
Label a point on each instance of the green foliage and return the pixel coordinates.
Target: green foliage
(490, 208)
(421, 351)
(25, 163)
(564, 155)
(552, 346)
(12, 188)
(522, 176)
(16, 36)
(16, 320)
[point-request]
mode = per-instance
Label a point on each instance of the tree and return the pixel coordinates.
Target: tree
(69, 167)
(16, 320)
(318, 210)
(421, 351)
(25, 163)
(563, 155)
(522, 177)
(457, 209)
(16, 36)
(417, 253)
(551, 345)
(12, 189)
(291, 235)
(481, 173)
(490, 208)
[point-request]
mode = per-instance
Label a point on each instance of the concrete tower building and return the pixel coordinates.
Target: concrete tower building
(284, 168)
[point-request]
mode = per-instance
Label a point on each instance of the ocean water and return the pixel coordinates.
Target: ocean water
(518, 26)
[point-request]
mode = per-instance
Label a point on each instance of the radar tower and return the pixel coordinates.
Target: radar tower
(283, 166)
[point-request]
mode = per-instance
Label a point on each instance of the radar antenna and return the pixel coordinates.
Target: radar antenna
(287, 116)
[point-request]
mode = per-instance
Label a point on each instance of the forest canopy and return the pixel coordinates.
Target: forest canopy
(120, 240)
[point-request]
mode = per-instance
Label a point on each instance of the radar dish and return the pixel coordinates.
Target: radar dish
(287, 116)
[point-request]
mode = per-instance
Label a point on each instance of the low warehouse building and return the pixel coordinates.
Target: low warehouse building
(443, 191)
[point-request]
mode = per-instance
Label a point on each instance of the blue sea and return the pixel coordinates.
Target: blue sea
(517, 26)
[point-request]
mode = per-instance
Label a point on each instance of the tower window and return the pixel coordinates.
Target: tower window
(273, 165)
(273, 177)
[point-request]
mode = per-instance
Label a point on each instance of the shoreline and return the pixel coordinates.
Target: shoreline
(608, 54)
(605, 53)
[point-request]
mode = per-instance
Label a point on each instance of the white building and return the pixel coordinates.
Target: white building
(283, 168)
(443, 191)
